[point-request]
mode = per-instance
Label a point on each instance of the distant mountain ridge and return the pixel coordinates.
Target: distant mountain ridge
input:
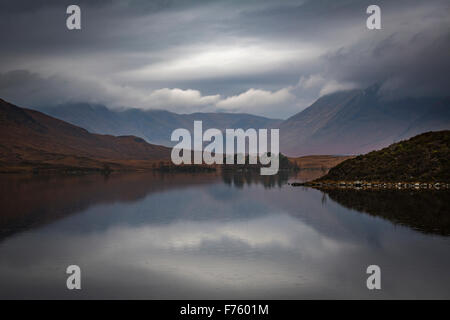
(359, 121)
(342, 123)
(155, 126)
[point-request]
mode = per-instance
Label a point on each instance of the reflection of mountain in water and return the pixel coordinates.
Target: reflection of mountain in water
(28, 201)
(31, 201)
(427, 211)
(240, 179)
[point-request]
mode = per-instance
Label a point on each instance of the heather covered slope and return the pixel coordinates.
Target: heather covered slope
(30, 138)
(423, 158)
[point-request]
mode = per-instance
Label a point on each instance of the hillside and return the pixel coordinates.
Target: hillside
(155, 126)
(423, 158)
(322, 162)
(32, 140)
(358, 121)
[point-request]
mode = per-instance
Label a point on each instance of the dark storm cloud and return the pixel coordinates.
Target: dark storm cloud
(417, 64)
(265, 57)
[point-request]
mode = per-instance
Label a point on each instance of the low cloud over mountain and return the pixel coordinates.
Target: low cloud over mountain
(360, 120)
(268, 58)
(344, 122)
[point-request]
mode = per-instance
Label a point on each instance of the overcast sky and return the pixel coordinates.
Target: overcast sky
(271, 58)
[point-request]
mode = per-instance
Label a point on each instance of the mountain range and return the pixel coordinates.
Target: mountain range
(155, 126)
(342, 123)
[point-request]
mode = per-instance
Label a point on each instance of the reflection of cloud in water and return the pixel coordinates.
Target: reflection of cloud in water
(244, 253)
(281, 231)
(232, 251)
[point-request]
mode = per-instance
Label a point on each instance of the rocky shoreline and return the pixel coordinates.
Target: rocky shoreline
(374, 184)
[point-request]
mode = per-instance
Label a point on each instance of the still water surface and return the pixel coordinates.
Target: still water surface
(225, 236)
